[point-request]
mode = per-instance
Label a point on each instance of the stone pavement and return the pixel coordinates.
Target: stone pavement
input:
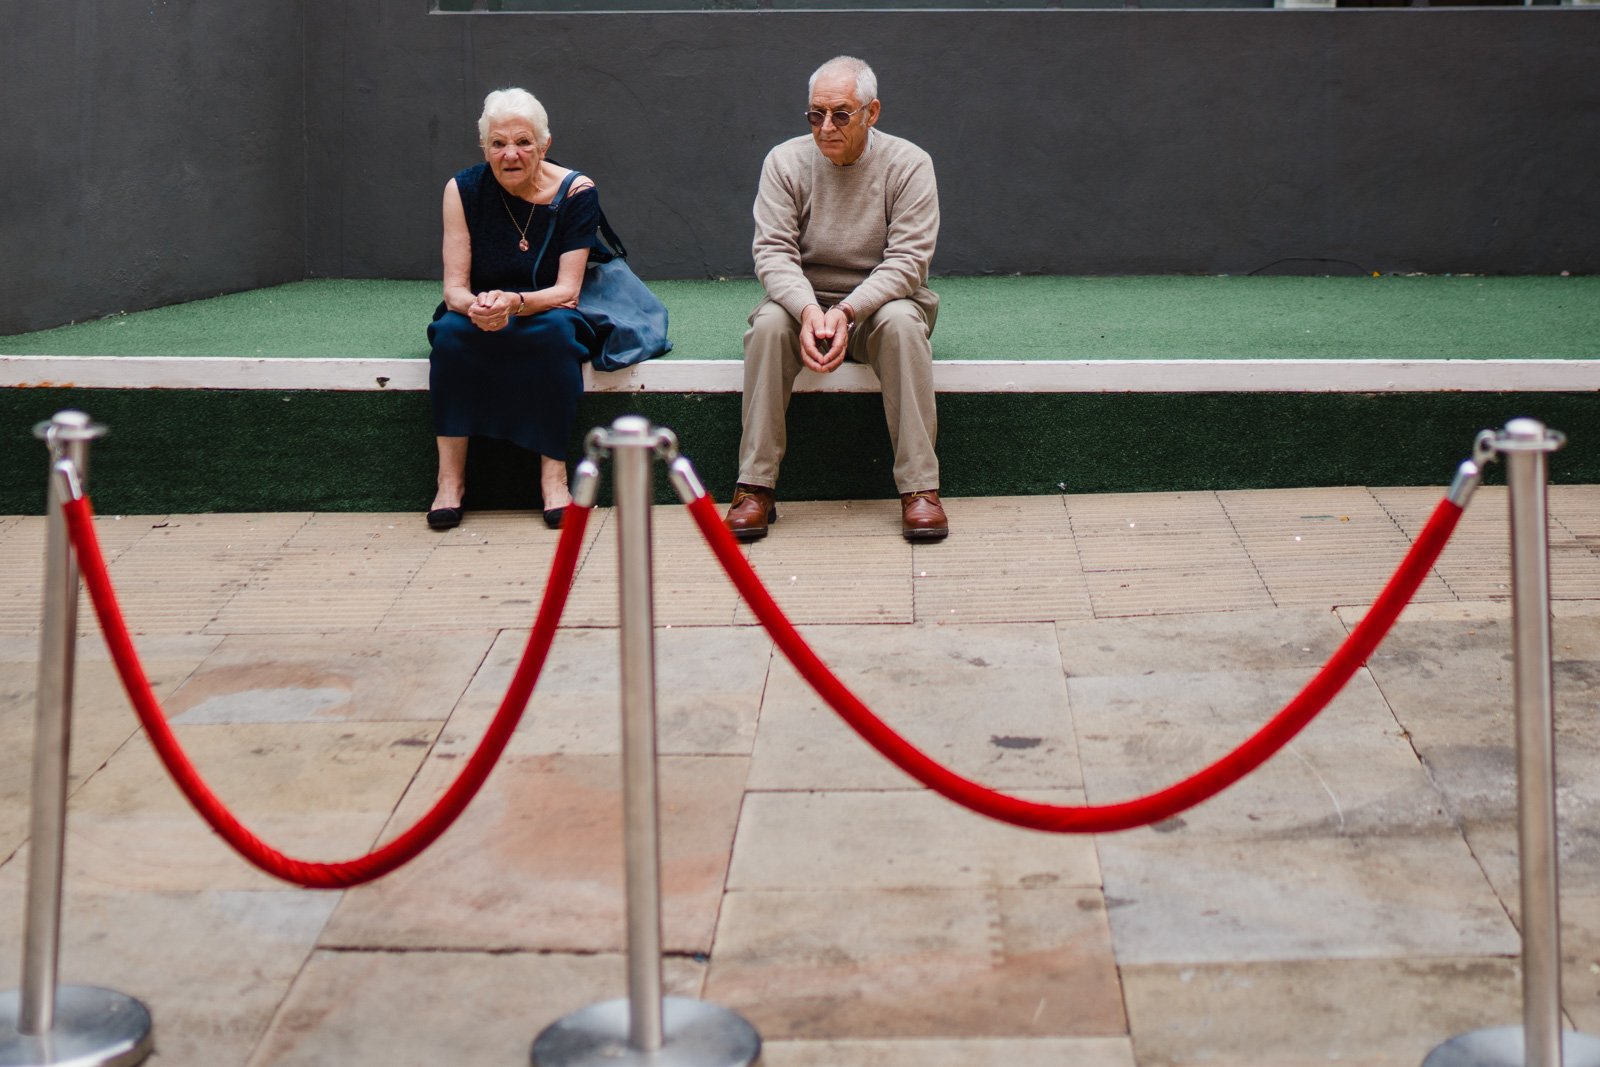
(1352, 901)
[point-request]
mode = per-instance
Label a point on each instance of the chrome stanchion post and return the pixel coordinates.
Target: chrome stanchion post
(45, 1022)
(1535, 717)
(1539, 1041)
(631, 452)
(646, 1028)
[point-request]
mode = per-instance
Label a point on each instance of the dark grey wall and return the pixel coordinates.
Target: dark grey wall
(1066, 141)
(158, 151)
(150, 151)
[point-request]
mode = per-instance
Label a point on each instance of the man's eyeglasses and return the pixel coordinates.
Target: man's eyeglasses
(841, 119)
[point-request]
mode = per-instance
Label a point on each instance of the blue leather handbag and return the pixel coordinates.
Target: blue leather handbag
(629, 320)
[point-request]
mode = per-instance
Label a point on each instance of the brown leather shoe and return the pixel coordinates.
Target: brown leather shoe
(753, 508)
(922, 516)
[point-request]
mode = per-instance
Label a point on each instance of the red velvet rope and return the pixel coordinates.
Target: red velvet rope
(1099, 818)
(313, 875)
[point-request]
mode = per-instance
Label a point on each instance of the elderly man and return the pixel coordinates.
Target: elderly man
(846, 221)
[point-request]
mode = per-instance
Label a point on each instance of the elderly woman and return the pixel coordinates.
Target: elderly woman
(508, 341)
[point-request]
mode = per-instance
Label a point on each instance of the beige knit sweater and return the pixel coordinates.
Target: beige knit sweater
(863, 233)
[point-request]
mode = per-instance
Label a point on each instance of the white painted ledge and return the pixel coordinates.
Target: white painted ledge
(949, 376)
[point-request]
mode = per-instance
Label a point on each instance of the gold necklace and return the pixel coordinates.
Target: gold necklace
(522, 229)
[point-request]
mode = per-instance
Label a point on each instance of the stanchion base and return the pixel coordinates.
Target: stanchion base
(93, 1028)
(1504, 1046)
(696, 1034)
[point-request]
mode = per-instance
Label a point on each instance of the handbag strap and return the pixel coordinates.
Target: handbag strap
(555, 208)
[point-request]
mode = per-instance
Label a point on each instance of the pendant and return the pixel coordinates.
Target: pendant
(523, 244)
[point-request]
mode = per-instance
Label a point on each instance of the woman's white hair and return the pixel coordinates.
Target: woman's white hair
(866, 81)
(504, 105)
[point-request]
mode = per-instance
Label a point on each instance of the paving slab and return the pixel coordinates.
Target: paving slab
(162, 590)
(899, 839)
(346, 531)
(690, 587)
(828, 579)
(1350, 771)
(1580, 955)
(510, 526)
(329, 678)
(990, 592)
(808, 521)
(322, 590)
(1323, 546)
(315, 791)
(1576, 508)
(709, 683)
(1163, 553)
(441, 1007)
(825, 563)
(1017, 1052)
(1378, 1013)
(1496, 846)
(1011, 516)
(184, 571)
(217, 534)
(1476, 563)
(102, 719)
(1179, 898)
(212, 966)
(1022, 566)
(536, 862)
(1291, 639)
(887, 963)
(1017, 562)
(22, 551)
(473, 587)
(1449, 682)
(988, 701)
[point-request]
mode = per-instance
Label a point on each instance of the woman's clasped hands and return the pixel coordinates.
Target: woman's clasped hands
(493, 309)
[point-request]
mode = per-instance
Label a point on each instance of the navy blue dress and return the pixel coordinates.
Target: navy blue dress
(520, 384)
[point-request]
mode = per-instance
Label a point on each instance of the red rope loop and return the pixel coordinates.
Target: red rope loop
(1099, 818)
(406, 847)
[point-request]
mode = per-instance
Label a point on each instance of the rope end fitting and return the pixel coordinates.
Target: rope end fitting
(1468, 475)
(585, 483)
(685, 480)
(66, 474)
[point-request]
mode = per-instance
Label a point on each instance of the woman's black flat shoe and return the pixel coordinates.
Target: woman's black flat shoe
(445, 518)
(552, 517)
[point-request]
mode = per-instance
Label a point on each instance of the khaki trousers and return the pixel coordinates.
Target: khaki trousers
(893, 341)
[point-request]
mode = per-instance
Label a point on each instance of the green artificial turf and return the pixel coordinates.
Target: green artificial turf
(1033, 318)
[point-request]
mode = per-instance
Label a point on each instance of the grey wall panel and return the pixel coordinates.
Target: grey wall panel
(154, 152)
(161, 151)
(1066, 141)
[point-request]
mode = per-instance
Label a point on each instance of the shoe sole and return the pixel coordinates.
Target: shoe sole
(925, 535)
